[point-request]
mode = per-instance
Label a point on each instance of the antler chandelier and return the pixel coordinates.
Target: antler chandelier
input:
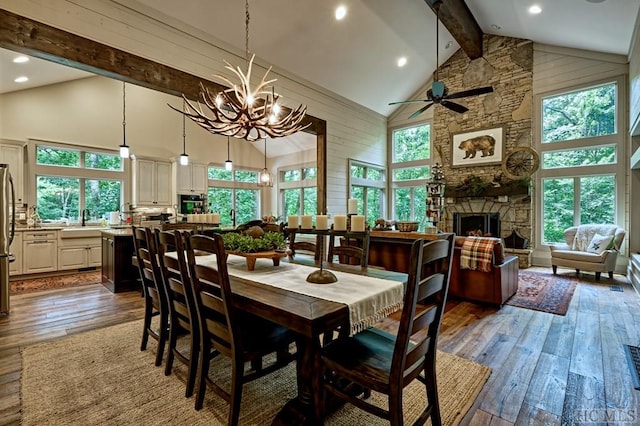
(241, 112)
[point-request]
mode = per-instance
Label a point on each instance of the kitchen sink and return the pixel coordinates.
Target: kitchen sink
(84, 232)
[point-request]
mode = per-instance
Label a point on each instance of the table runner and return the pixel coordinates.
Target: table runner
(369, 299)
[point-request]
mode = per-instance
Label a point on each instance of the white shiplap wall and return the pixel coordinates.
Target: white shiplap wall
(352, 131)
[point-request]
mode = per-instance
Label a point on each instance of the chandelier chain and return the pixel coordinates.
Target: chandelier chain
(246, 31)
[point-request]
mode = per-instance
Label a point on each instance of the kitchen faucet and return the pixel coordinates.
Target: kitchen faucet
(85, 212)
(232, 213)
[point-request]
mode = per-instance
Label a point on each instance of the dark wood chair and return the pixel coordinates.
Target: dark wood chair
(304, 247)
(353, 247)
(182, 314)
(155, 298)
(386, 363)
(227, 331)
(182, 226)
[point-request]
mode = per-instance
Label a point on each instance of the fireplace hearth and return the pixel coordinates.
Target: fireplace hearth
(477, 224)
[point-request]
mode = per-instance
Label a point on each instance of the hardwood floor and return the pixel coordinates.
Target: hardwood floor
(547, 369)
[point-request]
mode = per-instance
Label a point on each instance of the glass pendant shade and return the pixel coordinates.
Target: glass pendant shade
(124, 151)
(184, 159)
(265, 178)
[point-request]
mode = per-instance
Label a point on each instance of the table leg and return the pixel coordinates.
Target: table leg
(276, 261)
(300, 410)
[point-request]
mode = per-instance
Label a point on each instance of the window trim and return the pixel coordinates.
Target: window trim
(298, 184)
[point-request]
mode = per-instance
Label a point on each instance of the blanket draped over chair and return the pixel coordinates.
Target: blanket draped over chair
(477, 253)
(584, 234)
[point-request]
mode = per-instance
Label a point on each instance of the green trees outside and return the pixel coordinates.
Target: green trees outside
(572, 116)
(58, 197)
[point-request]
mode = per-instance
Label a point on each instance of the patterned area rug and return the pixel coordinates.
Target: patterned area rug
(544, 292)
(50, 283)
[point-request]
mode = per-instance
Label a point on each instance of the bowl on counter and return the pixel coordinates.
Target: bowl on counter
(407, 226)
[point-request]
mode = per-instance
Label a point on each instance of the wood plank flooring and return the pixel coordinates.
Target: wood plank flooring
(547, 369)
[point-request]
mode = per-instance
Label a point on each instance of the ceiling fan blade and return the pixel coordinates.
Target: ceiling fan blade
(420, 111)
(454, 106)
(471, 92)
(412, 101)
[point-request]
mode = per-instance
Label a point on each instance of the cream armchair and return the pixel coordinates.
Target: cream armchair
(591, 248)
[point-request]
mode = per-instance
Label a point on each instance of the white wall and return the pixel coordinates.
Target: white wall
(353, 131)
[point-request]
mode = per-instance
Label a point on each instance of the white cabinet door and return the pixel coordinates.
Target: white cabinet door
(15, 267)
(13, 155)
(152, 183)
(199, 178)
(42, 256)
(163, 183)
(191, 179)
(94, 256)
(72, 258)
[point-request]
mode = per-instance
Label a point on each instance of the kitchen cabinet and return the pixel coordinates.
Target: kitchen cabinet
(118, 272)
(13, 155)
(15, 267)
(152, 183)
(42, 249)
(191, 179)
(76, 253)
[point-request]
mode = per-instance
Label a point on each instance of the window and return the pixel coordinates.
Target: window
(411, 168)
(69, 180)
(233, 193)
(298, 190)
(581, 175)
(367, 185)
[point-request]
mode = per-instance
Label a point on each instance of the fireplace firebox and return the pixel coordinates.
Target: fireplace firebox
(477, 224)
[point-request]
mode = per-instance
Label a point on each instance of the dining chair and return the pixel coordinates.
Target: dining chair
(304, 246)
(353, 247)
(182, 313)
(155, 299)
(379, 361)
(227, 331)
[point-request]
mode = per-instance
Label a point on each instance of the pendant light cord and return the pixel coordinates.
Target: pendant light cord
(184, 131)
(228, 142)
(124, 114)
(246, 31)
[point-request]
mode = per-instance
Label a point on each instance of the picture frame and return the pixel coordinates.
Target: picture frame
(480, 147)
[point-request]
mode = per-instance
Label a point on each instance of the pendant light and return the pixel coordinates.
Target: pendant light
(264, 178)
(228, 165)
(124, 148)
(184, 158)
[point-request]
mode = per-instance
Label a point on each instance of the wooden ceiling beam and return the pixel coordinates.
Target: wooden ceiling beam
(457, 18)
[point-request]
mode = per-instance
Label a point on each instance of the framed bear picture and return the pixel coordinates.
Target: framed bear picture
(480, 147)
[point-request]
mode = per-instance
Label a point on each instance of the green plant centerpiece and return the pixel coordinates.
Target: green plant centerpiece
(254, 240)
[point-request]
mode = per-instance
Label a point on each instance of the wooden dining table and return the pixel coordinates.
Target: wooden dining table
(309, 317)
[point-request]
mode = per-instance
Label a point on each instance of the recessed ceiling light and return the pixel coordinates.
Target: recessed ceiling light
(20, 59)
(341, 12)
(402, 61)
(21, 79)
(535, 9)
(596, 1)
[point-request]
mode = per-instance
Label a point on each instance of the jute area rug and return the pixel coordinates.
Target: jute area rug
(33, 285)
(102, 378)
(542, 291)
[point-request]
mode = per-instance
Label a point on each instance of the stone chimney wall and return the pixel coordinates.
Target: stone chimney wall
(507, 65)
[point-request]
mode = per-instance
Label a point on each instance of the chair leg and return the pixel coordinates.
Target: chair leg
(203, 371)
(611, 274)
(555, 269)
(147, 324)
(432, 389)
(396, 417)
(597, 276)
(162, 340)
(236, 392)
(173, 337)
(577, 272)
(193, 364)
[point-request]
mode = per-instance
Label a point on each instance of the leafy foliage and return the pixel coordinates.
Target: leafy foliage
(243, 243)
(412, 143)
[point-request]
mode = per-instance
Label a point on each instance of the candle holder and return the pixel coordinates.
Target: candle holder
(321, 276)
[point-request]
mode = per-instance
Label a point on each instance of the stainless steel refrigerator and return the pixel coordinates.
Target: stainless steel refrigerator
(7, 230)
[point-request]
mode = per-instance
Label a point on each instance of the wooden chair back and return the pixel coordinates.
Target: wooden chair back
(182, 226)
(353, 247)
(306, 247)
(182, 309)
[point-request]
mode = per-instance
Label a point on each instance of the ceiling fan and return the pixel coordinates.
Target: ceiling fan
(439, 93)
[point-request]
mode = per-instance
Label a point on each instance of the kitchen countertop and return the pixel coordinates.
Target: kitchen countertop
(118, 232)
(405, 235)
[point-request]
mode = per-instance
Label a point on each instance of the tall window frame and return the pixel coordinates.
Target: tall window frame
(576, 176)
(409, 175)
(367, 182)
(303, 180)
(80, 173)
(240, 184)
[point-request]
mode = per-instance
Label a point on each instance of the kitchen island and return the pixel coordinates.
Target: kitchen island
(118, 272)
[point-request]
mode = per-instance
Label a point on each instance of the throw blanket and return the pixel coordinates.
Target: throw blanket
(477, 253)
(585, 234)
